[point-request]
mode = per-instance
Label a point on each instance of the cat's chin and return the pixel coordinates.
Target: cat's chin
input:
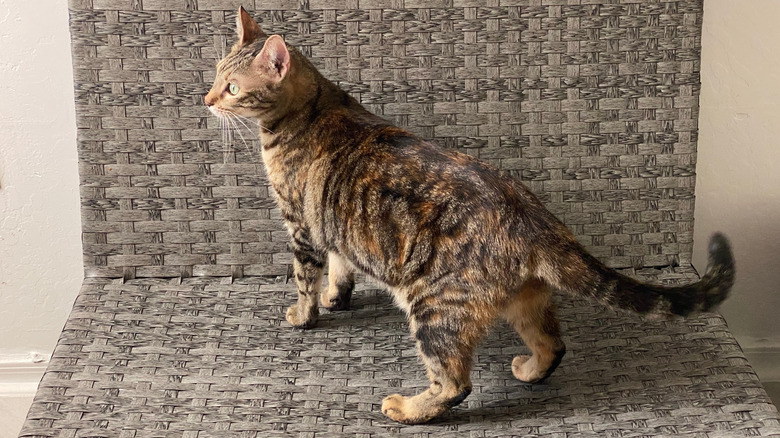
(216, 111)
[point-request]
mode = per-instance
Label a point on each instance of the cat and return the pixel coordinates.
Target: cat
(457, 243)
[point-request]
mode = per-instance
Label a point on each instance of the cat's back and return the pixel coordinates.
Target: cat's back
(365, 157)
(397, 172)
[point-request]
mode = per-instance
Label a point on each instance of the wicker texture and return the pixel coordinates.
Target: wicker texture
(206, 357)
(179, 330)
(594, 104)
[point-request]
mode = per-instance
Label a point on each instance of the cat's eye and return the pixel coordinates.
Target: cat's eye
(233, 89)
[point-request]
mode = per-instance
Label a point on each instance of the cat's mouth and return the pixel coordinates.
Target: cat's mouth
(217, 112)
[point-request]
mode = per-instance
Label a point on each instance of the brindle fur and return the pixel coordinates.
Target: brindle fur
(457, 243)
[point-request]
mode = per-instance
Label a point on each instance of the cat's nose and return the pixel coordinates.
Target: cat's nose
(208, 100)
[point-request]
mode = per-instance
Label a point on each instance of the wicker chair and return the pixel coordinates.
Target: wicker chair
(179, 328)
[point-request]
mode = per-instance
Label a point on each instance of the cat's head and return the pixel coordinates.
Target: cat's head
(257, 78)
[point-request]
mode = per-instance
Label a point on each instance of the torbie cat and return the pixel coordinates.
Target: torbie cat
(457, 243)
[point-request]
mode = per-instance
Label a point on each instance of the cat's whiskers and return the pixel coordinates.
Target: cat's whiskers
(253, 152)
(224, 138)
(232, 120)
(216, 50)
(227, 137)
(243, 121)
(247, 119)
(216, 46)
(229, 122)
(243, 118)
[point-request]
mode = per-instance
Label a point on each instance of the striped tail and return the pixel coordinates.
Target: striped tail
(589, 277)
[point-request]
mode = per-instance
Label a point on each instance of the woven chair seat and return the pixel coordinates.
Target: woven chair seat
(214, 357)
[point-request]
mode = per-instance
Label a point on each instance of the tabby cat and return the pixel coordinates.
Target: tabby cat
(457, 243)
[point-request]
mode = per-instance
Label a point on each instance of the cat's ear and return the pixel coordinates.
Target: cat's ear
(274, 58)
(247, 28)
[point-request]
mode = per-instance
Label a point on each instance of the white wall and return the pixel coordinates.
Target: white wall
(738, 182)
(40, 247)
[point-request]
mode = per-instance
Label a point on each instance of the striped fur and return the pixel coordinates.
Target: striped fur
(456, 242)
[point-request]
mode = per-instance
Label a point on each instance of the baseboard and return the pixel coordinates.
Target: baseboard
(20, 378)
(766, 362)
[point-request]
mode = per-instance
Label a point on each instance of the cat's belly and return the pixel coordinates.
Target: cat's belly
(399, 297)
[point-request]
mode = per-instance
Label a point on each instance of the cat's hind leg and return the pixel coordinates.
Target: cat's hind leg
(532, 314)
(307, 267)
(341, 282)
(447, 333)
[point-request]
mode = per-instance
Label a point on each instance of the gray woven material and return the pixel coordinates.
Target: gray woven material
(206, 357)
(593, 104)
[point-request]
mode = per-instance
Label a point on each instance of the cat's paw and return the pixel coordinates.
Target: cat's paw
(394, 407)
(335, 301)
(525, 369)
(413, 410)
(528, 369)
(301, 317)
(337, 297)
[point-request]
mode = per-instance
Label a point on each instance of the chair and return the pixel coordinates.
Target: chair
(179, 330)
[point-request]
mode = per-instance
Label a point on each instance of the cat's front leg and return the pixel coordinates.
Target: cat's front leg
(341, 282)
(307, 267)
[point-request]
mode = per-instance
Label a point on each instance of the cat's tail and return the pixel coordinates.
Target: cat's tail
(582, 274)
